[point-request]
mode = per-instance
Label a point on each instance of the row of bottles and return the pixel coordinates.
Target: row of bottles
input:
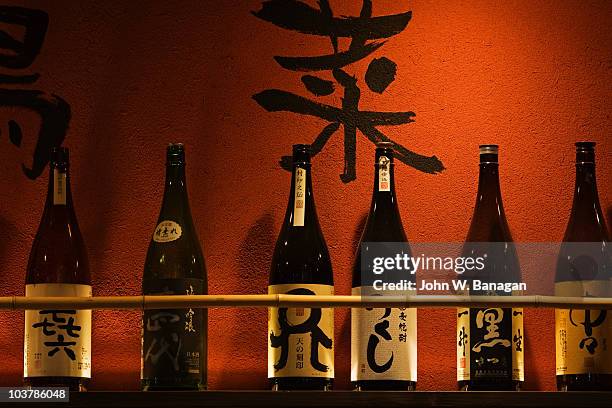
(490, 341)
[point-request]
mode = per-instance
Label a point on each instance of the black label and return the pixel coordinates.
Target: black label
(174, 340)
(490, 341)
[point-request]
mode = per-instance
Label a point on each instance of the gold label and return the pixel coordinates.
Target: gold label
(59, 187)
(384, 174)
(491, 323)
(57, 343)
(301, 340)
(582, 336)
(383, 342)
(518, 349)
(167, 231)
(300, 197)
(463, 344)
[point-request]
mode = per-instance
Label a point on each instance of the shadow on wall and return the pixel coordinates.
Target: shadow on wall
(343, 320)
(116, 352)
(610, 220)
(533, 367)
(11, 322)
(358, 231)
(9, 230)
(253, 259)
(255, 253)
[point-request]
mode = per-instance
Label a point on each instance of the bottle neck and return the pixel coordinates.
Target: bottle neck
(59, 195)
(586, 216)
(301, 209)
(585, 188)
(175, 193)
(489, 221)
(489, 197)
(383, 196)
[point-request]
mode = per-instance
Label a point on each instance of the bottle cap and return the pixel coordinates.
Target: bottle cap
(384, 149)
(301, 153)
(585, 153)
(489, 149)
(175, 153)
(584, 145)
(59, 155)
(385, 145)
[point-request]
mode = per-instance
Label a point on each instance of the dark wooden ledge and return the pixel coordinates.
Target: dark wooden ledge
(336, 399)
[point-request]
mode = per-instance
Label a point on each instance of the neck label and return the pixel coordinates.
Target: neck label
(299, 199)
(167, 231)
(384, 174)
(59, 187)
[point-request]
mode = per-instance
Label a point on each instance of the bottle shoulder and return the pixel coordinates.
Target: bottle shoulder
(586, 224)
(383, 229)
(489, 225)
(181, 258)
(301, 256)
(58, 253)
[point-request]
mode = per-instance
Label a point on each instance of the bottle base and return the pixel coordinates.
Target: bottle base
(384, 385)
(584, 382)
(161, 385)
(74, 384)
(301, 384)
(500, 385)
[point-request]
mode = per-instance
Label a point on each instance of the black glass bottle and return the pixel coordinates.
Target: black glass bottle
(57, 343)
(383, 341)
(490, 342)
(584, 268)
(301, 340)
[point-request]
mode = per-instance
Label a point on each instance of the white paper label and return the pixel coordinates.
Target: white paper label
(57, 343)
(299, 199)
(383, 343)
(384, 174)
(59, 187)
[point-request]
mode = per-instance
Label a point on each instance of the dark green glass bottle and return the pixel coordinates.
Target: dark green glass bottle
(174, 341)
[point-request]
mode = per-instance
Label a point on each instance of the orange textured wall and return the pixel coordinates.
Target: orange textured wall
(532, 76)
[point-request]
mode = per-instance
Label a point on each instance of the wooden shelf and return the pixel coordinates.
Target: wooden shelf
(336, 399)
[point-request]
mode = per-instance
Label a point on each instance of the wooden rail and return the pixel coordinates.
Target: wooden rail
(280, 300)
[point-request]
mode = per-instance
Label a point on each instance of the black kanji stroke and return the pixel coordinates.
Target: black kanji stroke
(298, 16)
(54, 115)
(19, 52)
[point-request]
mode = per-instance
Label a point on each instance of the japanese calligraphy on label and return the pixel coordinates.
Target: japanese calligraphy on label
(300, 198)
(57, 343)
(383, 342)
(384, 174)
(301, 340)
(173, 342)
(167, 231)
(59, 187)
(582, 336)
(490, 344)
